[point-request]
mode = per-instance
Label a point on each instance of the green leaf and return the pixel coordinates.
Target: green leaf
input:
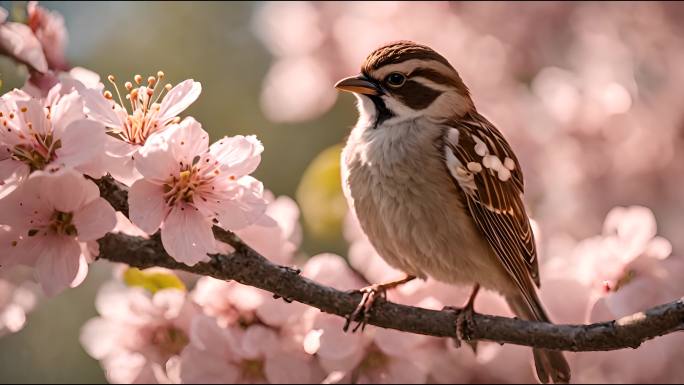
(152, 281)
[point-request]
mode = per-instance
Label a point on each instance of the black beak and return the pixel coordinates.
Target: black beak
(358, 84)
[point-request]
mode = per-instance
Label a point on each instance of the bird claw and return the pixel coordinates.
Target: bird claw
(370, 294)
(464, 325)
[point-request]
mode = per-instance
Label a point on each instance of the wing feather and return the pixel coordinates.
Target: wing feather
(492, 183)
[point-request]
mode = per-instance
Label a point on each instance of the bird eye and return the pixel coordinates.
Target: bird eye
(395, 79)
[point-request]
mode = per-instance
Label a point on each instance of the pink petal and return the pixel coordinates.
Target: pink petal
(239, 155)
(278, 313)
(85, 76)
(48, 26)
(147, 208)
(284, 367)
(35, 115)
(11, 247)
(332, 270)
(125, 226)
(396, 343)
(199, 368)
(118, 157)
(346, 350)
(170, 301)
(97, 107)
(659, 248)
(69, 191)
(94, 220)
(101, 336)
(155, 160)
(58, 263)
(19, 41)
(286, 212)
(12, 318)
(233, 215)
(187, 235)
(258, 341)
(82, 142)
(96, 167)
(67, 110)
(245, 298)
(206, 335)
(12, 173)
(124, 304)
(187, 140)
(178, 99)
(404, 371)
(125, 367)
(82, 272)
(24, 208)
(245, 209)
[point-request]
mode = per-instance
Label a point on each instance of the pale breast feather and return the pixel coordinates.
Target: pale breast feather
(485, 168)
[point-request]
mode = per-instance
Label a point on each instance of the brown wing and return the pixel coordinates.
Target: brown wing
(486, 169)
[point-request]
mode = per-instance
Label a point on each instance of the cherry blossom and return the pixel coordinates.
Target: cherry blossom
(53, 219)
(255, 354)
(153, 108)
(18, 41)
(45, 135)
(189, 185)
(139, 335)
(277, 234)
(48, 27)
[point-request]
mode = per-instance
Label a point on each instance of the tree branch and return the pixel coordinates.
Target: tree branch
(250, 268)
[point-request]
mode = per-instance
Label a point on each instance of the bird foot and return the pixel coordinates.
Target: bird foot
(370, 295)
(464, 324)
(362, 311)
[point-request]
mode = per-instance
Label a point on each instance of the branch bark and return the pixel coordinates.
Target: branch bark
(250, 268)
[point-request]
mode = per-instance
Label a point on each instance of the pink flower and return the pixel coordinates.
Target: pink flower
(189, 185)
(45, 135)
(230, 303)
(255, 354)
(18, 41)
(605, 262)
(53, 218)
(48, 27)
(150, 112)
(138, 335)
(18, 296)
(277, 234)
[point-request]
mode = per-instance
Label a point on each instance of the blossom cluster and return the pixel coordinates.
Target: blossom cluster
(57, 137)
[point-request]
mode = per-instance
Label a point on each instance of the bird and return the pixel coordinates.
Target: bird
(436, 187)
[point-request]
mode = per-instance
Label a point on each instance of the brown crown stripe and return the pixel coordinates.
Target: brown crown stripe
(398, 52)
(415, 95)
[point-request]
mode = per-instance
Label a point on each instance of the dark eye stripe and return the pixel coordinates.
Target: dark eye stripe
(415, 95)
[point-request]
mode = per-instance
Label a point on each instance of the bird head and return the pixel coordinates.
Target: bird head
(405, 80)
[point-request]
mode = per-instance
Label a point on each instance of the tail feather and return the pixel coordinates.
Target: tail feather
(550, 365)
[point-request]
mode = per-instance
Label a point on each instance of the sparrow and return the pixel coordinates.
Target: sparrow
(436, 187)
